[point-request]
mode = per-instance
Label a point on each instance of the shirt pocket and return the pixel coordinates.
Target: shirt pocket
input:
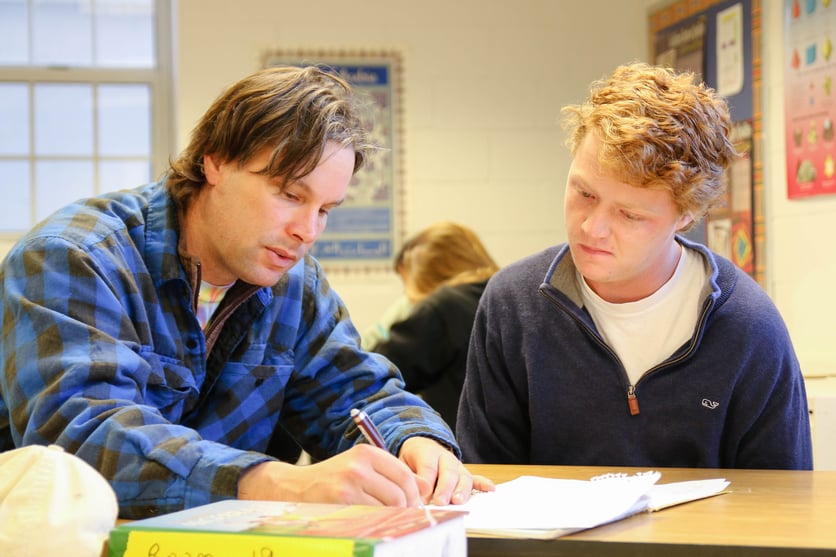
(247, 398)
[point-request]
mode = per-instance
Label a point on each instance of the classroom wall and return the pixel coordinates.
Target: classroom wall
(483, 85)
(801, 259)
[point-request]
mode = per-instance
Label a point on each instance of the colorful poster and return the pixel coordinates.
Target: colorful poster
(729, 226)
(362, 232)
(809, 95)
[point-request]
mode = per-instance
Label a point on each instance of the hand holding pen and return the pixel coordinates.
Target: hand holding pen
(373, 436)
(423, 470)
(456, 493)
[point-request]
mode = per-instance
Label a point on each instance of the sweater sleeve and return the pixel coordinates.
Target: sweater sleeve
(493, 424)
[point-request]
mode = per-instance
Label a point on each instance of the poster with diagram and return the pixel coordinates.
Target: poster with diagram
(810, 67)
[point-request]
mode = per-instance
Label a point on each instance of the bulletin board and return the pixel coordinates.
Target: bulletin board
(720, 40)
(362, 233)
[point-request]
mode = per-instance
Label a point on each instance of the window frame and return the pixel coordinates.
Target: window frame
(159, 79)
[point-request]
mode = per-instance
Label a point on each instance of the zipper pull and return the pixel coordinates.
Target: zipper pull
(632, 401)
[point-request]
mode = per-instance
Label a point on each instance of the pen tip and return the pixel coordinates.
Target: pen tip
(354, 412)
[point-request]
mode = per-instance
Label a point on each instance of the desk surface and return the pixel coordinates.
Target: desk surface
(767, 513)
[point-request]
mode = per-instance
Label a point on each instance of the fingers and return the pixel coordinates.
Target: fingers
(453, 483)
(438, 467)
(425, 488)
(385, 479)
(481, 483)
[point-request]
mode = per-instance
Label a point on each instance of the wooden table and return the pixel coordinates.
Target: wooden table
(768, 513)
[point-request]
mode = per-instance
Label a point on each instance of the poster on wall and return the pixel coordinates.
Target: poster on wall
(710, 43)
(730, 225)
(363, 231)
(730, 73)
(682, 47)
(810, 68)
(719, 40)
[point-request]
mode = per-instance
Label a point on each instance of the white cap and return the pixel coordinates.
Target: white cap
(53, 503)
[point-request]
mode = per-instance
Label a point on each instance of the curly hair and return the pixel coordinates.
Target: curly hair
(293, 111)
(444, 253)
(658, 129)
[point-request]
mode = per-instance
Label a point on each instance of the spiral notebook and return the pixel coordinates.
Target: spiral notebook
(546, 508)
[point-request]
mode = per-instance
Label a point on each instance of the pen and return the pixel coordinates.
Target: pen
(367, 427)
(373, 436)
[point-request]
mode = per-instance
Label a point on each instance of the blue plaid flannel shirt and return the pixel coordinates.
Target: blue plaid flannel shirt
(103, 355)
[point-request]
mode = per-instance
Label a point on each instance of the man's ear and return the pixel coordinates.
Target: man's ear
(684, 220)
(211, 169)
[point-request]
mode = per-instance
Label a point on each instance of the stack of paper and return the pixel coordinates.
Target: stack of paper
(545, 508)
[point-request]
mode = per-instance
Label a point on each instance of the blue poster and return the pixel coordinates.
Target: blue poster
(362, 232)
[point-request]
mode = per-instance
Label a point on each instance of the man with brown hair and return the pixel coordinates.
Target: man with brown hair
(165, 334)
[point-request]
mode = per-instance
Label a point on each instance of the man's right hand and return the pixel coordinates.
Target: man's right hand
(362, 475)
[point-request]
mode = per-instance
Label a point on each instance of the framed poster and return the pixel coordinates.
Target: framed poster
(719, 40)
(810, 68)
(363, 232)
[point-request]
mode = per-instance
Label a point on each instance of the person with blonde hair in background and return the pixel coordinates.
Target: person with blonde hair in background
(445, 269)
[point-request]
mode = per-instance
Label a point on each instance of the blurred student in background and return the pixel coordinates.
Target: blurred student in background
(398, 310)
(444, 269)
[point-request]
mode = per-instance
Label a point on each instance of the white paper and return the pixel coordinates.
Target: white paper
(539, 507)
(662, 496)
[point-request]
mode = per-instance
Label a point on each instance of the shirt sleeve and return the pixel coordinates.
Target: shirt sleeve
(333, 374)
(77, 374)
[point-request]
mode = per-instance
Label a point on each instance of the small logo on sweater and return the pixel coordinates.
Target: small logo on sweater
(710, 404)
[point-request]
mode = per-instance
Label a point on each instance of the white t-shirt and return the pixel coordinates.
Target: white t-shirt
(645, 332)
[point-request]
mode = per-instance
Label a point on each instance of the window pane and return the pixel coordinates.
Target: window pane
(124, 120)
(125, 33)
(121, 175)
(14, 115)
(59, 183)
(15, 191)
(61, 32)
(14, 35)
(63, 119)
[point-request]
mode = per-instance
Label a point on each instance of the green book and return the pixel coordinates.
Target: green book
(235, 528)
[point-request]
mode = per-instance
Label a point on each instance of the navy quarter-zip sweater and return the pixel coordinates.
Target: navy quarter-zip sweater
(543, 387)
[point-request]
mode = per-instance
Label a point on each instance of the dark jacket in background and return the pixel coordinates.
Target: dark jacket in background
(430, 346)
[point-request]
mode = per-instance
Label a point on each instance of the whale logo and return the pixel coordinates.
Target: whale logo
(710, 404)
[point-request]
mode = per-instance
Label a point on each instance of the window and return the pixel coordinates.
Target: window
(85, 101)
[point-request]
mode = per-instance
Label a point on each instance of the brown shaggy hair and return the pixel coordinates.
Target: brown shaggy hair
(293, 111)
